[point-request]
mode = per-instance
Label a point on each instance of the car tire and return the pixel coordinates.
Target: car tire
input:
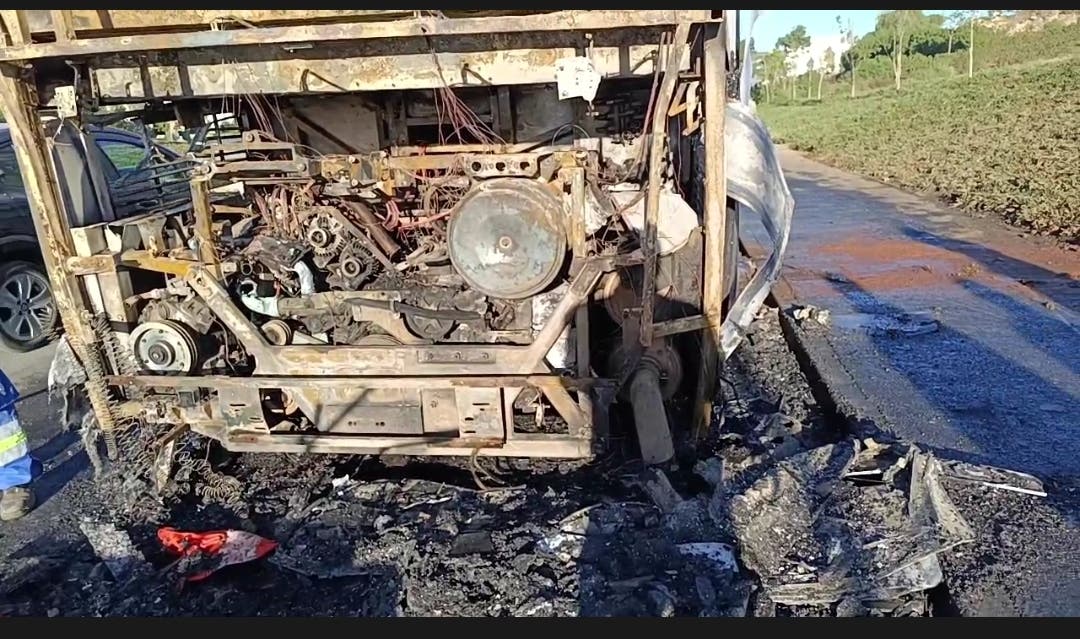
(29, 318)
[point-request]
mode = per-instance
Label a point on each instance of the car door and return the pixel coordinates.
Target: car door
(89, 164)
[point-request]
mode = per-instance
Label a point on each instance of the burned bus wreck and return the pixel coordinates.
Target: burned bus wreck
(394, 232)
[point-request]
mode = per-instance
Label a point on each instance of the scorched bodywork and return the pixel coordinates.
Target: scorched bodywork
(394, 232)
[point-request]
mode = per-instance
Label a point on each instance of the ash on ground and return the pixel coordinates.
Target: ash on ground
(406, 537)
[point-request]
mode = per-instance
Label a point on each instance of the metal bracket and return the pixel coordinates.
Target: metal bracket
(67, 104)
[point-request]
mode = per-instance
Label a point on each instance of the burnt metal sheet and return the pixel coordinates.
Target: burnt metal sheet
(756, 181)
(348, 409)
(40, 20)
(334, 69)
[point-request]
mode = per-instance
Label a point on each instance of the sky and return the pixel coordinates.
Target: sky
(773, 24)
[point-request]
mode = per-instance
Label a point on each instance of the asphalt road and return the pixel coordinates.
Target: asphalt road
(997, 379)
(959, 334)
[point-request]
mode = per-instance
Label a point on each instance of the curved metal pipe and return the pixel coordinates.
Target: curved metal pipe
(262, 305)
(307, 278)
(650, 417)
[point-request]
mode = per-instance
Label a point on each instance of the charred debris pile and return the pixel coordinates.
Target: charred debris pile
(778, 514)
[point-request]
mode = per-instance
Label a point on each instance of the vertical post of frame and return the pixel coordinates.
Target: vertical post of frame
(714, 79)
(63, 24)
(658, 144)
(204, 229)
(18, 97)
(15, 25)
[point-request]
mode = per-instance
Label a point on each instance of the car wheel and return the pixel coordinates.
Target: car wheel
(28, 315)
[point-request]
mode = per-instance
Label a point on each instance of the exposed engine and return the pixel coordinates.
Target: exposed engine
(444, 244)
(421, 234)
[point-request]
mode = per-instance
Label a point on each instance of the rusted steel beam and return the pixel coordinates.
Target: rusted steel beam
(97, 264)
(681, 325)
(204, 231)
(421, 162)
(581, 287)
(405, 151)
(715, 105)
(331, 382)
(576, 419)
(584, 362)
(150, 262)
(351, 68)
(575, 210)
(658, 144)
(315, 33)
(521, 445)
(16, 27)
(133, 21)
(582, 419)
(91, 264)
(63, 25)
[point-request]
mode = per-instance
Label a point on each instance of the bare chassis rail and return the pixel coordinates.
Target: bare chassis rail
(25, 87)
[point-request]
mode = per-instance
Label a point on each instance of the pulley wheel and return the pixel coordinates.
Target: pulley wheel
(164, 347)
(278, 332)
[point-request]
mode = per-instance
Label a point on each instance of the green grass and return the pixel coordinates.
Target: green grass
(124, 156)
(1006, 141)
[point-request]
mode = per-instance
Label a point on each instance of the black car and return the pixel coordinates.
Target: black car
(28, 314)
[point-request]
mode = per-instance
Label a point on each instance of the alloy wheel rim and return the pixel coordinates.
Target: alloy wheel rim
(26, 305)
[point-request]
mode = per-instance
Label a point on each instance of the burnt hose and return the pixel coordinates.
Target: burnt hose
(408, 309)
(373, 226)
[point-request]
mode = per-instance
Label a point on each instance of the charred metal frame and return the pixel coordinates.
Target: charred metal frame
(163, 59)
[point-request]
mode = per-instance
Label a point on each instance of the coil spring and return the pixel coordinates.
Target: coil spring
(97, 390)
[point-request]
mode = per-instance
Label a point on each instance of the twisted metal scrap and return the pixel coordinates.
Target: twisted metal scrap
(134, 449)
(755, 180)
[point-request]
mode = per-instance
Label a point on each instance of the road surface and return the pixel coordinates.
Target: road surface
(957, 333)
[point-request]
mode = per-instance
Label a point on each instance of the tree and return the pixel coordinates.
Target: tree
(760, 90)
(772, 65)
(809, 78)
(848, 36)
(971, 43)
(828, 61)
(898, 26)
(955, 20)
(973, 17)
(794, 41)
(929, 36)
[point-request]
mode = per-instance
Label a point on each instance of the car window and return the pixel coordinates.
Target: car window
(11, 183)
(123, 155)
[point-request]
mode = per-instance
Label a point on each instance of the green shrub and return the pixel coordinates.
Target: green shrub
(1006, 141)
